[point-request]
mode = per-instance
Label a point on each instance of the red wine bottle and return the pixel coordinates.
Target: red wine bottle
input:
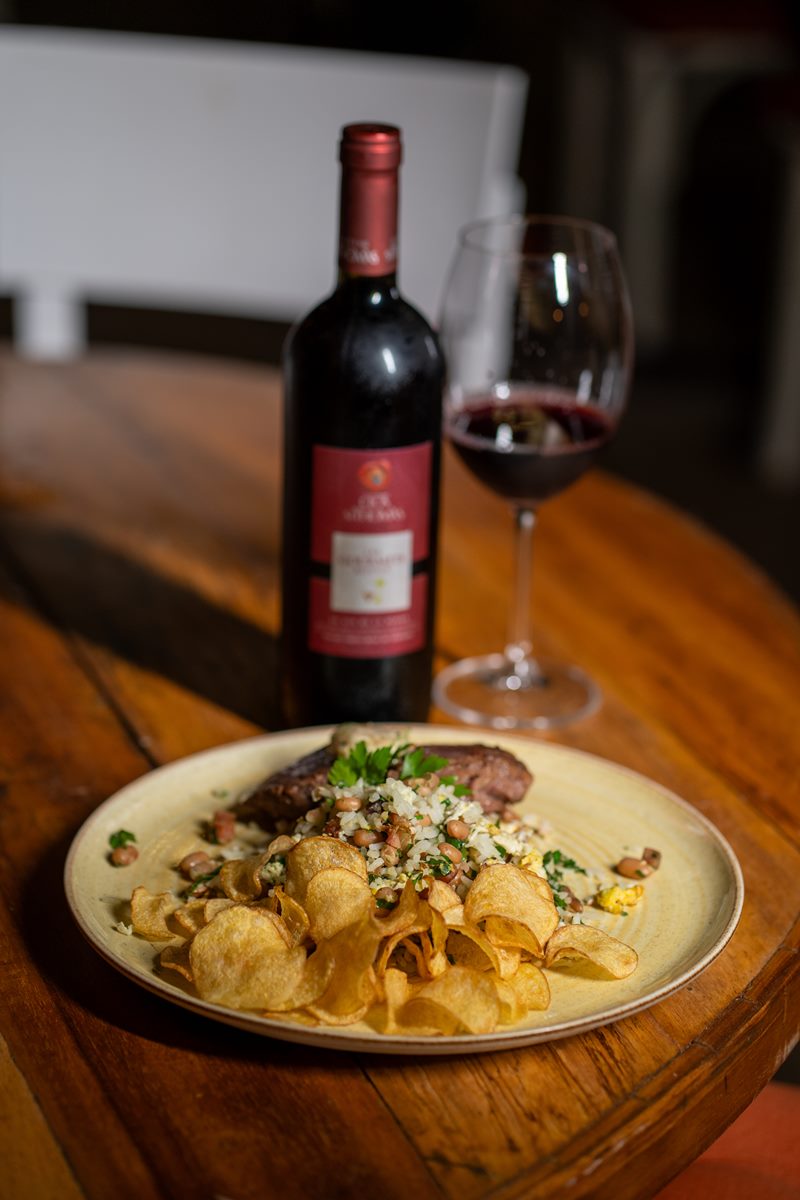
(363, 376)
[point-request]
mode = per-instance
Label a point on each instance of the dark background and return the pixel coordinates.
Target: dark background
(697, 405)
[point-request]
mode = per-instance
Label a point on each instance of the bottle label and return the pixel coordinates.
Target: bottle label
(370, 514)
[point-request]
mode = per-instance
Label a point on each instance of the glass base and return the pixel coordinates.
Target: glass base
(495, 691)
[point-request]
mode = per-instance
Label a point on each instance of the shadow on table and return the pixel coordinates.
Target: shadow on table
(148, 619)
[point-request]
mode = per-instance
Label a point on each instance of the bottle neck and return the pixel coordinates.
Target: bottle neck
(368, 225)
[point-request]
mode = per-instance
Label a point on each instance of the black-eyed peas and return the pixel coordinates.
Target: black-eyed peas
(633, 868)
(457, 829)
(123, 856)
(366, 837)
(347, 804)
(196, 864)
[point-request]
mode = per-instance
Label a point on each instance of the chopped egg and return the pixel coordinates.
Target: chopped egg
(616, 899)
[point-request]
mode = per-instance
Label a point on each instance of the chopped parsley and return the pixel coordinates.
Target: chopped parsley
(121, 838)
(459, 845)
(439, 864)
(555, 864)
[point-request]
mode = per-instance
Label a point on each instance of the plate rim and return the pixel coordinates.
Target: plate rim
(342, 1038)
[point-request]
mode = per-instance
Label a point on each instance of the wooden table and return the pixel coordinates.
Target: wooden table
(138, 585)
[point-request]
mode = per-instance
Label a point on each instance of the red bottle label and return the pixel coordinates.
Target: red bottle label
(370, 514)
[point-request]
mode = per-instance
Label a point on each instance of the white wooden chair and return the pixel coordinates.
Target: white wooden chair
(203, 176)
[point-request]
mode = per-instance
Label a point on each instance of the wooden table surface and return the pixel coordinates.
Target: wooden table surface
(138, 593)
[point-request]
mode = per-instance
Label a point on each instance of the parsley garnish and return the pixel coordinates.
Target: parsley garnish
(373, 766)
(417, 763)
(370, 765)
(121, 838)
(342, 774)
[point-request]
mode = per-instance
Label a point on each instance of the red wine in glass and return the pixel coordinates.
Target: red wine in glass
(538, 339)
(529, 444)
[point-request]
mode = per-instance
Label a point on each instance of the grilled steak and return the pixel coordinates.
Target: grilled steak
(494, 777)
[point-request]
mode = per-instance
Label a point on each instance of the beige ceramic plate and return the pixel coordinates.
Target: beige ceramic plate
(690, 909)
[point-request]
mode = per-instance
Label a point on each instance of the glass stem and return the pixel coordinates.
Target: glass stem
(519, 648)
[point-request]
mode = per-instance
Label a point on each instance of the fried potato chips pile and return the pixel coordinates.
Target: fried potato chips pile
(319, 952)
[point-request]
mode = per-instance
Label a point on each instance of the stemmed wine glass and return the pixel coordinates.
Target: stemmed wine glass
(537, 333)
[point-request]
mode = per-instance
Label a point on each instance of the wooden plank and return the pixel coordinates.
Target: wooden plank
(33, 1165)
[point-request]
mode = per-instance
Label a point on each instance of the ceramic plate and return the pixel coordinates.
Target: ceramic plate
(690, 910)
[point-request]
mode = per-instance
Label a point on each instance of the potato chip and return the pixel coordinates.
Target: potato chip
(312, 855)
(591, 952)
(396, 991)
(216, 905)
(402, 916)
(241, 960)
(175, 957)
(191, 917)
(420, 922)
(464, 951)
(502, 959)
(458, 999)
(512, 1008)
(295, 1016)
(434, 944)
(514, 895)
(442, 897)
(240, 878)
(335, 898)
(531, 985)
(524, 991)
(413, 949)
(507, 935)
(352, 985)
(149, 913)
(293, 915)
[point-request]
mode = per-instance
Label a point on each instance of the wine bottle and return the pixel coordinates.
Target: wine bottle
(363, 379)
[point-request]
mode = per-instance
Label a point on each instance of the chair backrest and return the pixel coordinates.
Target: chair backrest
(202, 175)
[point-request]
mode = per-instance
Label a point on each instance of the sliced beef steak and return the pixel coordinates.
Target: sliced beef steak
(494, 776)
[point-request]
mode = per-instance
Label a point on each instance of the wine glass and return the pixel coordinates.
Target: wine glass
(537, 333)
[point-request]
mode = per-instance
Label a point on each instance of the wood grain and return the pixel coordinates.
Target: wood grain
(138, 621)
(33, 1164)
